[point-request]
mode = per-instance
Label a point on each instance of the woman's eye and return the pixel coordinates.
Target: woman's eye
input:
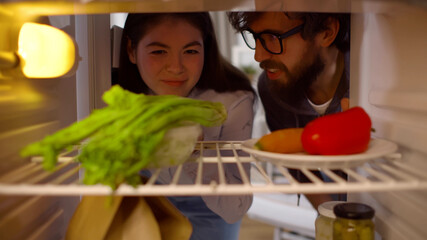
(158, 52)
(191, 51)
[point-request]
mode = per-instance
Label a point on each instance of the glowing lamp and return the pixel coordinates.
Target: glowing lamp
(45, 51)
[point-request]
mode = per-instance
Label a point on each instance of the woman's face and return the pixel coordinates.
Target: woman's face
(170, 57)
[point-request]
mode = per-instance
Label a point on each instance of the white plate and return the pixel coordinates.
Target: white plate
(377, 148)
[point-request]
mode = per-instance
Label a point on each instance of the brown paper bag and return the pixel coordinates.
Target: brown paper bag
(127, 218)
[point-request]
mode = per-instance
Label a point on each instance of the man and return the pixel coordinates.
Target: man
(306, 70)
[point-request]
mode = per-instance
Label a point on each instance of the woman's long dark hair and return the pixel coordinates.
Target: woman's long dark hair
(218, 74)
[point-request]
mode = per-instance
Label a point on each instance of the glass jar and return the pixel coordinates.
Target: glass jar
(325, 219)
(353, 222)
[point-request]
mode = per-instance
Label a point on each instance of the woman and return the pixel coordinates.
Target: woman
(177, 53)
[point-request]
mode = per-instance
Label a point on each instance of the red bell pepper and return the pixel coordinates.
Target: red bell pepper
(347, 132)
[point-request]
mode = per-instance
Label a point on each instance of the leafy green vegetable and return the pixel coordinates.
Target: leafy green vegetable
(129, 135)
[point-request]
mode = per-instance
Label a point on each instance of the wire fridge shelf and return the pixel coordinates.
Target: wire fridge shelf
(387, 173)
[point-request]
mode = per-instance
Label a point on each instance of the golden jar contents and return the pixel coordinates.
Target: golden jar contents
(353, 222)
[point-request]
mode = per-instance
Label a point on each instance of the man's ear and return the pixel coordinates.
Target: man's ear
(328, 36)
(131, 51)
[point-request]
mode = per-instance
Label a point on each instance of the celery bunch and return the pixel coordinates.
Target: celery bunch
(123, 137)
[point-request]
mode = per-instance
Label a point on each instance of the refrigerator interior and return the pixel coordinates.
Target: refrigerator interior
(388, 59)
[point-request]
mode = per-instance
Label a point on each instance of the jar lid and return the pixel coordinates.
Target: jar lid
(354, 211)
(327, 208)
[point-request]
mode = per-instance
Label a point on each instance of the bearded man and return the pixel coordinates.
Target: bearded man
(305, 58)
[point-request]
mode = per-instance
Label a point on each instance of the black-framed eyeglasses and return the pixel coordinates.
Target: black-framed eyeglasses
(272, 42)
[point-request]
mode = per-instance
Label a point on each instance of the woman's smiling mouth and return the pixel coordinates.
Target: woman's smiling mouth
(175, 83)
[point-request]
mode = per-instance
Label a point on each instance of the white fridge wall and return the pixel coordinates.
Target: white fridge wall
(30, 109)
(388, 78)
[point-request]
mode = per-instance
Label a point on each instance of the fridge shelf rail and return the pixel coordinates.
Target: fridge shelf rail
(389, 173)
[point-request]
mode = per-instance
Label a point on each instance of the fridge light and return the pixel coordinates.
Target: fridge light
(45, 51)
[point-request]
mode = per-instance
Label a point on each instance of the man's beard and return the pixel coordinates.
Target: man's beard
(298, 82)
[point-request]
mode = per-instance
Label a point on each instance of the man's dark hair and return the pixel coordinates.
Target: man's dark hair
(313, 24)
